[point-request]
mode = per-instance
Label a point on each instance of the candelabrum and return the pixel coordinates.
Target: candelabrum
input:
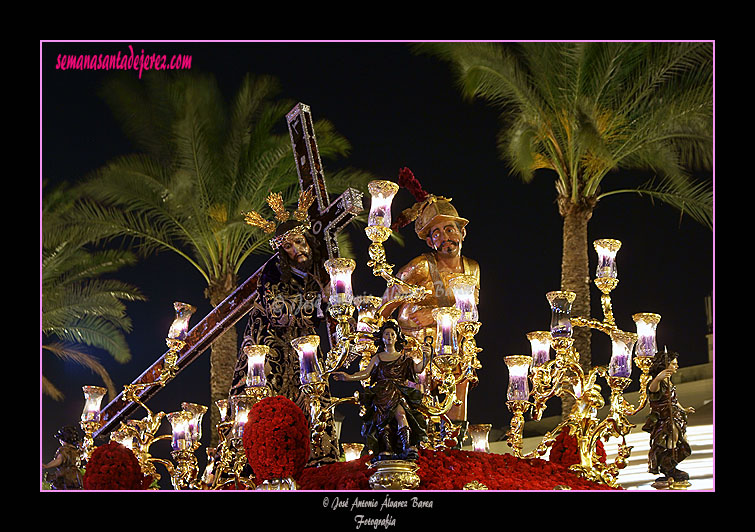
(564, 375)
(231, 458)
(140, 434)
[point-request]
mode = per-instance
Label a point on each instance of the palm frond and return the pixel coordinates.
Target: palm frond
(693, 198)
(69, 353)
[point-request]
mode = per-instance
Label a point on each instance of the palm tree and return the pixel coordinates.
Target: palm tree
(200, 164)
(80, 307)
(582, 111)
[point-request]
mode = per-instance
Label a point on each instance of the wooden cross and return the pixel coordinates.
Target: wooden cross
(327, 220)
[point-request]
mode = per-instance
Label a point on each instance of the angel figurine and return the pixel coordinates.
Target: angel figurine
(392, 423)
(666, 423)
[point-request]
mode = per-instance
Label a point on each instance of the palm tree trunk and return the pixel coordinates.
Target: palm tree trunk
(223, 353)
(575, 276)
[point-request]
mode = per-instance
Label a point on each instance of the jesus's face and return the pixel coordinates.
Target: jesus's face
(298, 250)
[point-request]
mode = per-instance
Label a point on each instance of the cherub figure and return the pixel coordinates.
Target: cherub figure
(65, 465)
(666, 423)
(392, 424)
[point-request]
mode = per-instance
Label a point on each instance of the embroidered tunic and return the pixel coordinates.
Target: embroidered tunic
(281, 312)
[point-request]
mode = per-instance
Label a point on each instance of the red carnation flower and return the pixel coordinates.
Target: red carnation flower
(565, 452)
(276, 439)
(114, 467)
(452, 470)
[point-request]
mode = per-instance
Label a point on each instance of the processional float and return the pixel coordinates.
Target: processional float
(454, 347)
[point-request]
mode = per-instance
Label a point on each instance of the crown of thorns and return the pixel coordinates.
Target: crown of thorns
(275, 201)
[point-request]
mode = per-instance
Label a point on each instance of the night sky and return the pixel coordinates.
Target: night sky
(397, 110)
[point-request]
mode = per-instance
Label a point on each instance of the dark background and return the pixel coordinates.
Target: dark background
(397, 110)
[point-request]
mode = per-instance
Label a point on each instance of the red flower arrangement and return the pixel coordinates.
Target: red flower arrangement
(114, 467)
(565, 452)
(452, 470)
(276, 439)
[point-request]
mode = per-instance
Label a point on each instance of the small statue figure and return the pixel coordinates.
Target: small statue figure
(667, 424)
(66, 474)
(392, 424)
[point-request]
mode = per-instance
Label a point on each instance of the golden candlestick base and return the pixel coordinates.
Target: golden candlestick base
(186, 470)
(606, 284)
(257, 393)
(466, 330)
(394, 475)
(87, 446)
(516, 426)
(475, 485)
(377, 233)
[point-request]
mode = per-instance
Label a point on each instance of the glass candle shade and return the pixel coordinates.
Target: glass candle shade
(463, 287)
(519, 367)
(255, 367)
(445, 335)
(621, 354)
(352, 451)
(92, 399)
(240, 406)
(340, 271)
(479, 434)
(222, 405)
(180, 326)
(195, 423)
(540, 342)
(646, 327)
(606, 249)
(181, 424)
(309, 365)
(367, 307)
(561, 302)
(382, 193)
(125, 438)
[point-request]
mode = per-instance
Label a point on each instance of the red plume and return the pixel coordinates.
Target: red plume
(407, 180)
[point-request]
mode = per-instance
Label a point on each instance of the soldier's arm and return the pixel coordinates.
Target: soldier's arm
(415, 272)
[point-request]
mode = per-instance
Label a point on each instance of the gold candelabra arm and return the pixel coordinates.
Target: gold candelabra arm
(129, 394)
(549, 380)
(592, 323)
(334, 402)
(643, 363)
(447, 388)
(337, 356)
(150, 469)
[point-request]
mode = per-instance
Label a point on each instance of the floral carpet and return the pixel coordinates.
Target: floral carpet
(452, 470)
